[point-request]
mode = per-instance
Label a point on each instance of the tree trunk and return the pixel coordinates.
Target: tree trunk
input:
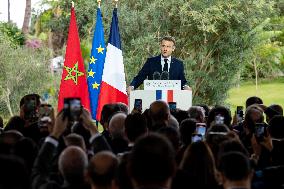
(256, 74)
(8, 103)
(9, 19)
(27, 17)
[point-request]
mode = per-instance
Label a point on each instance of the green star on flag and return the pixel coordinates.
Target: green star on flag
(71, 71)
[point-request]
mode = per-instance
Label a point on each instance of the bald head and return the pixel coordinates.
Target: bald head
(116, 125)
(159, 112)
(102, 169)
(72, 164)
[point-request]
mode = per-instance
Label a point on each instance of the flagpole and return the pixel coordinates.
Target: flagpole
(99, 3)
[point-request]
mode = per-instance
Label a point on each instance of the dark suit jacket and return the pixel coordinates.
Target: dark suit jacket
(153, 64)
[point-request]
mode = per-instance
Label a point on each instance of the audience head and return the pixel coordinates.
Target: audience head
(198, 160)
(197, 113)
(272, 111)
(117, 125)
(135, 126)
(253, 115)
(215, 135)
(159, 113)
(152, 161)
(276, 127)
(102, 170)
(29, 105)
(8, 140)
(13, 174)
(180, 115)
(26, 149)
(232, 145)
(122, 107)
(219, 112)
(234, 167)
(186, 129)
(173, 122)
(15, 123)
(206, 109)
(253, 100)
(74, 139)
(72, 163)
(107, 111)
(172, 134)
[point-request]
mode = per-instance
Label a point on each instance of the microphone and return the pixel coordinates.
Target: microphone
(156, 76)
(165, 75)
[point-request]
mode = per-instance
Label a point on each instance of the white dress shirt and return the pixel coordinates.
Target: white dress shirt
(163, 62)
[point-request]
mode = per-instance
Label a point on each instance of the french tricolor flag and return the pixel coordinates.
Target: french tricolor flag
(165, 95)
(113, 85)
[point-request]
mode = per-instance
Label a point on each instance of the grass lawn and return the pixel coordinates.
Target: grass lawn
(270, 91)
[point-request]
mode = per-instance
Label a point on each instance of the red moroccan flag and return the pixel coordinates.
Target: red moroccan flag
(73, 81)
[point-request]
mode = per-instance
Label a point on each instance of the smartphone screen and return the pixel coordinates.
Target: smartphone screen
(196, 138)
(138, 104)
(240, 113)
(45, 110)
(200, 129)
(172, 105)
(72, 108)
(259, 129)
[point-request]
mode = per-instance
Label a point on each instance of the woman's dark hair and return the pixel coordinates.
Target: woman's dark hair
(198, 161)
(219, 111)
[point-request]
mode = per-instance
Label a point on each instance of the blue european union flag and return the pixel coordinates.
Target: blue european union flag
(96, 64)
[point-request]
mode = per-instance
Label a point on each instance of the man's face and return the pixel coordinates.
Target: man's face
(167, 47)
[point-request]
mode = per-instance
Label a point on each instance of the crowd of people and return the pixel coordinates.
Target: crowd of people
(160, 148)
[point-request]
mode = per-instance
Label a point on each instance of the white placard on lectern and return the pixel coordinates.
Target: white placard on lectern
(183, 98)
(162, 85)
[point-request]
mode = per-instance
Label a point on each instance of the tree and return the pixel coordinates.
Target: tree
(22, 71)
(27, 17)
(9, 20)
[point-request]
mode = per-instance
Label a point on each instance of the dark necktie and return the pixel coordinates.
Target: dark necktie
(165, 65)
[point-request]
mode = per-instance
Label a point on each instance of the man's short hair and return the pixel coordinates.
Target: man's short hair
(235, 166)
(169, 38)
(152, 160)
(103, 168)
(72, 163)
(276, 127)
(253, 100)
(135, 126)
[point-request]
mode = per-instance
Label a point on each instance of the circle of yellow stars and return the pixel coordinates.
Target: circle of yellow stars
(93, 60)
(70, 72)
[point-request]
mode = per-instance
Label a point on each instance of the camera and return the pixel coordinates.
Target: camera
(219, 120)
(172, 106)
(30, 108)
(72, 108)
(196, 138)
(201, 129)
(240, 113)
(138, 104)
(45, 113)
(260, 131)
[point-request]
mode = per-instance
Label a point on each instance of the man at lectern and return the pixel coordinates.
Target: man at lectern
(163, 66)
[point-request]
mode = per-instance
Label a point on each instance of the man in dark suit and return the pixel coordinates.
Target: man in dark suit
(162, 63)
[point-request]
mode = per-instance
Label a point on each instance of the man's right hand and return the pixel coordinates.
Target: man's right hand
(129, 89)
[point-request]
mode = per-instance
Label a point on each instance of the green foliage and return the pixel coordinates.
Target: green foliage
(12, 33)
(22, 71)
(269, 90)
